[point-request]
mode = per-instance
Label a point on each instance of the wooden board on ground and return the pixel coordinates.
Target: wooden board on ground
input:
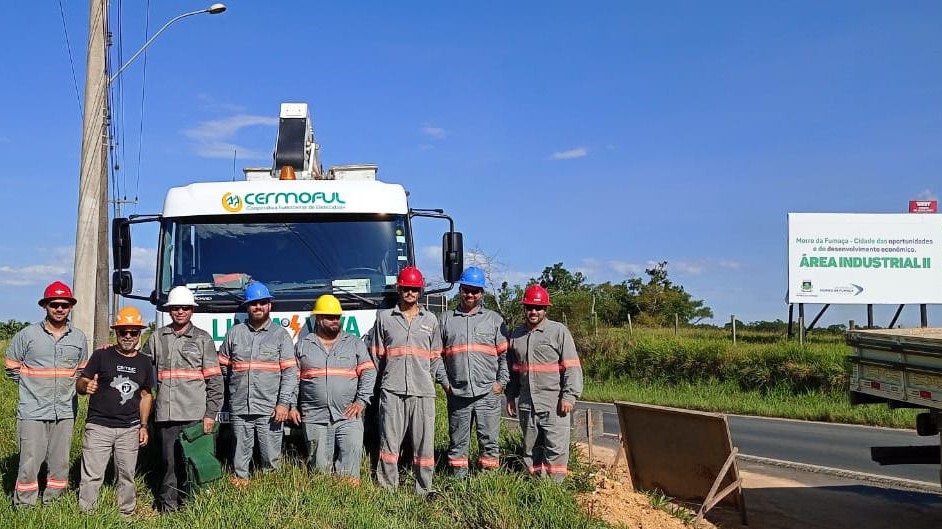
(685, 454)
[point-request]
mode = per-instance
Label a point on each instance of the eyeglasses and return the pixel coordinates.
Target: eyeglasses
(183, 308)
(59, 305)
(537, 308)
(258, 302)
(128, 332)
(330, 317)
(410, 289)
(471, 291)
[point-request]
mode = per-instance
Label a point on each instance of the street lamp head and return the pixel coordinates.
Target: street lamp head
(215, 9)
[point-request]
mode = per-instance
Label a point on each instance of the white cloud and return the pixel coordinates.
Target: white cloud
(597, 270)
(40, 274)
(57, 267)
(700, 266)
(210, 103)
(436, 133)
(578, 152)
(212, 139)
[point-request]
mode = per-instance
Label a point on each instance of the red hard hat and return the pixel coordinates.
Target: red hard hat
(57, 290)
(536, 295)
(410, 277)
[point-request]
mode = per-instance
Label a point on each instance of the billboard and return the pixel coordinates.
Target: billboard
(923, 206)
(863, 258)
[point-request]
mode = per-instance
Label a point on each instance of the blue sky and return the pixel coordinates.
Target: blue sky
(607, 136)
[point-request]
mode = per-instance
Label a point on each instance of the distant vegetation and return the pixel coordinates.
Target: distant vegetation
(11, 327)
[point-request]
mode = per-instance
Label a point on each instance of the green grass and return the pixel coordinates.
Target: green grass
(291, 497)
(762, 374)
(728, 397)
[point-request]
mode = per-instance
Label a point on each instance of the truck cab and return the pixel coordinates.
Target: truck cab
(298, 229)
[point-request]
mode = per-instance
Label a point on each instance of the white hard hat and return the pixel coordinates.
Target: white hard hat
(180, 297)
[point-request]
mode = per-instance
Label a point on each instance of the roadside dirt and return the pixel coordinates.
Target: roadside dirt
(776, 498)
(615, 501)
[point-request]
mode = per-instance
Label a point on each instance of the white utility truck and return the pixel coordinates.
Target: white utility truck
(298, 229)
(902, 368)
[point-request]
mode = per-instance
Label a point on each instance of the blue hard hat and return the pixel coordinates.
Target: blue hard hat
(255, 291)
(472, 277)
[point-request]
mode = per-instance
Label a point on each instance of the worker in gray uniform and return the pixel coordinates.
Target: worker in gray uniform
(337, 376)
(545, 381)
(407, 346)
(189, 388)
(43, 360)
(258, 357)
(475, 343)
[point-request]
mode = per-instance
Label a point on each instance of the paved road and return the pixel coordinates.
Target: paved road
(832, 445)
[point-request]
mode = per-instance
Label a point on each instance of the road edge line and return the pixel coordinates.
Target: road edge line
(901, 483)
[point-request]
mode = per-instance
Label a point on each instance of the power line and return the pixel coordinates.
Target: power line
(140, 141)
(68, 47)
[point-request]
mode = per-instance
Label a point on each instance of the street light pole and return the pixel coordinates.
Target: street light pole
(90, 276)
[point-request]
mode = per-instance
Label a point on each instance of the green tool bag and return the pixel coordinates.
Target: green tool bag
(199, 455)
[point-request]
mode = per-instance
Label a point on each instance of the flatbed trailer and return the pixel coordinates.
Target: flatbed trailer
(903, 369)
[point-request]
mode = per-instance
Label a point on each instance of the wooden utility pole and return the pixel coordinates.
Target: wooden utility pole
(93, 184)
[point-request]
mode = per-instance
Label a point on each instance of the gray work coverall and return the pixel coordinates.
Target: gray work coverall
(330, 382)
(474, 359)
(262, 373)
(544, 369)
(189, 388)
(408, 357)
(45, 370)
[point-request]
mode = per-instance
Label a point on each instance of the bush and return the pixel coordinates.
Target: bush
(760, 364)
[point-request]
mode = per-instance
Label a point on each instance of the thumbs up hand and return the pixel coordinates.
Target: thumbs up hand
(92, 386)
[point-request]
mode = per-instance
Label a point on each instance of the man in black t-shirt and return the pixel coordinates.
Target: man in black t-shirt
(119, 381)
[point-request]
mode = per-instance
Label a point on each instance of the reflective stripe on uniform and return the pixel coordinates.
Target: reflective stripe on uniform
(188, 374)
(327, 372)
(46, 372)
(407, 351)
(550, 367)
(482, 348)
(423, 461)
(259, 366)
(457, 461)
(363, 366)
(56, 483)
(488, 462)
(388, 457)
(10, 363)
(26, 487)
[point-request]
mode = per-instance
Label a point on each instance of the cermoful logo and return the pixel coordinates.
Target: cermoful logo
(283, 201)
(232, 203)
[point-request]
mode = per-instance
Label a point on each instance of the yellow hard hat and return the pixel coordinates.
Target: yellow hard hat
(129, 317)
(327, 304)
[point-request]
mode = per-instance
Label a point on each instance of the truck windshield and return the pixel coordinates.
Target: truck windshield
(297, 258)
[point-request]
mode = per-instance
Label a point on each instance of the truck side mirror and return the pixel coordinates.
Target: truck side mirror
(121, 244)
(452, 256)
(122, 282)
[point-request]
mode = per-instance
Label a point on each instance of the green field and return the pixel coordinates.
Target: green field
(700, 368)
(293, 498)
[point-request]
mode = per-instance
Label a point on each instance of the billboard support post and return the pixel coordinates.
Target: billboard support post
(791, 320)
(899, 310)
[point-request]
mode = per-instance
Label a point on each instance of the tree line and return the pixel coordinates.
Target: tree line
(651, 300)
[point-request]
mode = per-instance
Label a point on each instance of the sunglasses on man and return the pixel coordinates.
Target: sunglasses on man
(128, 332)
(59, 305)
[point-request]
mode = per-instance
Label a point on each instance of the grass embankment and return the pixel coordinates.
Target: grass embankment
(762, 374)
(291, 497)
